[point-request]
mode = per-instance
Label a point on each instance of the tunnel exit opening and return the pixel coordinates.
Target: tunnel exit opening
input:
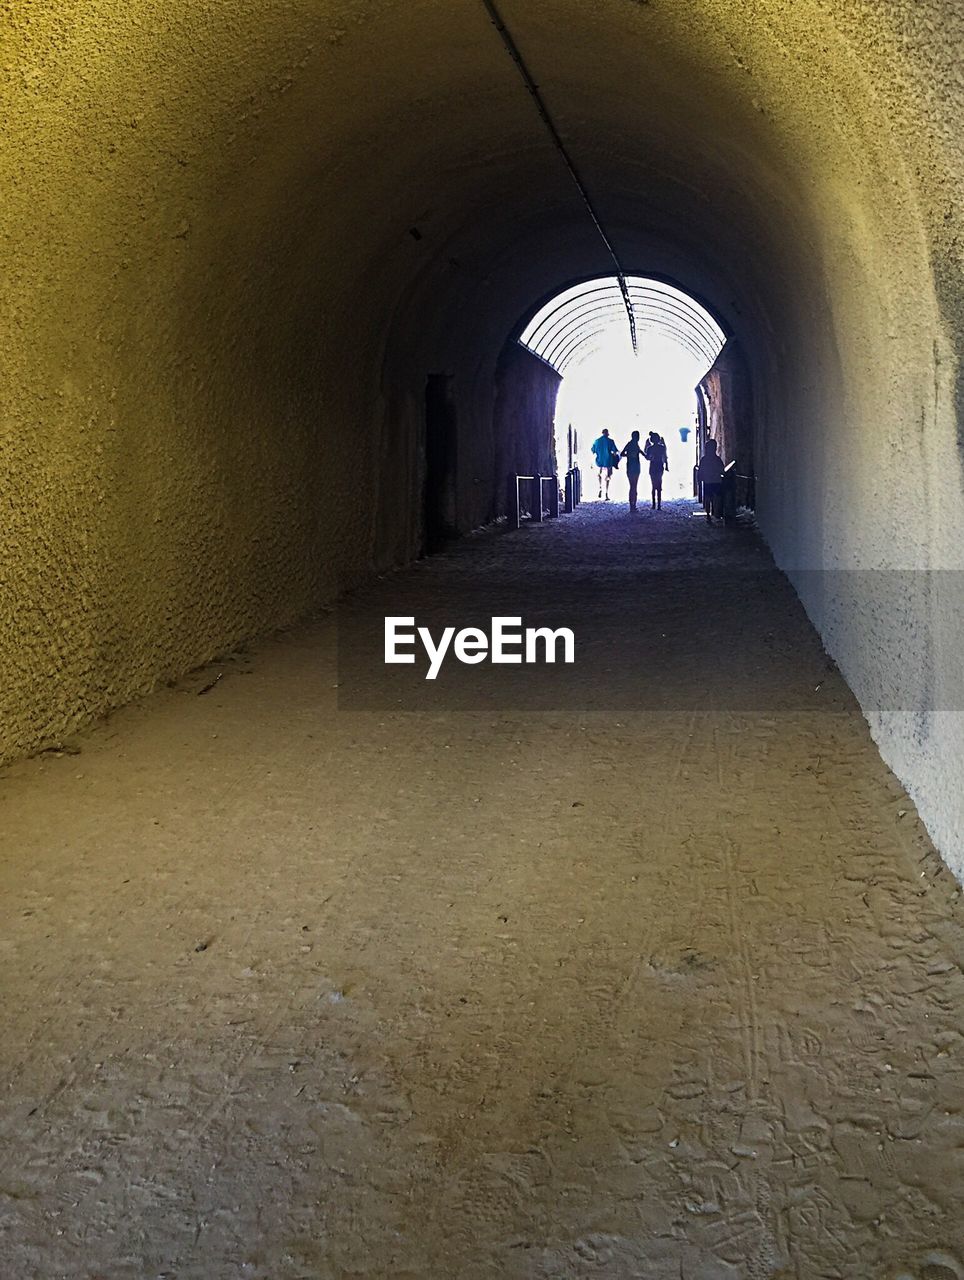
(609, 381)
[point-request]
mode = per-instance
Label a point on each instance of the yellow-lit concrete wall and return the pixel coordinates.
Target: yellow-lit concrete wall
(213, 303)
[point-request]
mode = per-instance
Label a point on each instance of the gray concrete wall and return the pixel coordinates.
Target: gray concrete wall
(213, 297)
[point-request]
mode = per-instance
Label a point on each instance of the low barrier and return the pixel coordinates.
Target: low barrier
(537, 491)
(573, 488)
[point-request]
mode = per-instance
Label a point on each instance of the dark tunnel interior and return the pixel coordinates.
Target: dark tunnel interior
(241, 241)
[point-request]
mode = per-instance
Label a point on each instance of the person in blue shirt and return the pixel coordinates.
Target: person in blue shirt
(607, 456)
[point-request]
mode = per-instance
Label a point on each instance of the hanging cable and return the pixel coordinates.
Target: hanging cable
(513, 51)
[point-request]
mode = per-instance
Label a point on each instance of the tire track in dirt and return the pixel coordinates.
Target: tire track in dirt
(487, 993)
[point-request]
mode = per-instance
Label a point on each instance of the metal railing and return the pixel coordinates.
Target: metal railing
(537, 511)
(732, 494)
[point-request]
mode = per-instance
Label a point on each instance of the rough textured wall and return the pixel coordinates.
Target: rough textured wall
(525, 407)
(892, 465)
(237, 239)
(729, 409)
(171, 457)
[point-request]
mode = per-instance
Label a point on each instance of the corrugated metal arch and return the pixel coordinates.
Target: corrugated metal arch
(574, 323)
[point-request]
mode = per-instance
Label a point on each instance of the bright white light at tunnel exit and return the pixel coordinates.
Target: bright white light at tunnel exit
(583, 333)
(653, 391)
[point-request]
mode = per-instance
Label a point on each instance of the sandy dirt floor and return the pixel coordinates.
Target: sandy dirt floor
(620, 986)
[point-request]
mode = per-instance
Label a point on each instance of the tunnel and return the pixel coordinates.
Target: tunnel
(229, 262)
(265, 272)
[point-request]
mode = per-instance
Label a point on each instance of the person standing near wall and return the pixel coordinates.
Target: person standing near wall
(710, 475)
(655, 454)
(633, 455)
(607, 456)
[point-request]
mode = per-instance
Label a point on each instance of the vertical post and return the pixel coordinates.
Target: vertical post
(568, 502)
(537, 486)
(515, 501)
(554, 496)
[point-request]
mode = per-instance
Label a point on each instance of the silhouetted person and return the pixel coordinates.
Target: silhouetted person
(607, 456)
(633, 455)
(655, 453)
(710, 475)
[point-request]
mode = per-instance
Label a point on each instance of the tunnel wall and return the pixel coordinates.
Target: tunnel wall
(525, 406)
(730, 413)
(175, 451)
(861, 484)
(238, 239)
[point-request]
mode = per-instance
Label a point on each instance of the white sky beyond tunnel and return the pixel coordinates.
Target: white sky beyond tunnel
(583, 332)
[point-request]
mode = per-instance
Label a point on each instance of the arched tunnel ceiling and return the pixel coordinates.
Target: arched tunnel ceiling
(265, 167)
(578, 320)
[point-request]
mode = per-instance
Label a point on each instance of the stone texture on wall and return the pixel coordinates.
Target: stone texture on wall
(728, 417)
(730, 413)
(238, 238)
(525, 406)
